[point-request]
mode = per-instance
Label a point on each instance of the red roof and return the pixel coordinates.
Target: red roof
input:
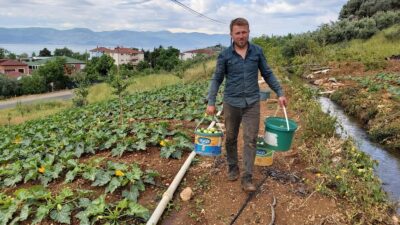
(117, 50)
(100, 49)
(10, 62)
(126, 51)
(201, 51)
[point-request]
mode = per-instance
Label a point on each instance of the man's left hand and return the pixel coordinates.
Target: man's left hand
(282, 101)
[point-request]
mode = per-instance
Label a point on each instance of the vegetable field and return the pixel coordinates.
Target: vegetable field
(65, 147)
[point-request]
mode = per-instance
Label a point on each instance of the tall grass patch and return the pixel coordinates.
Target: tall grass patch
(26, 112)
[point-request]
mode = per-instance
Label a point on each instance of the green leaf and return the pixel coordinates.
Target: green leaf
(7, 214)
(63, 215)
(56, 170)
(123, 204)
(79, 149)
(137, 210)
(119, 150)
(31, 175)
(70, 176)
(63, 194)
(23, 194)
(149, 177)
(114, 184)
(24, 212)
(102, 178)
(90, 173)
(132, 194)
(84, 202)
(11, 181)
(41, 213)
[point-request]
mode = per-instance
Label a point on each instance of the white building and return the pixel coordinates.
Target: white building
(120, 55)
(192, 53)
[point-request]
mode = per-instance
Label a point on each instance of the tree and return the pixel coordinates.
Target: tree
(164, 59)
(3, 53)
(81, 93)
(44, 52)
(33, 84)
(63, 52)
(53, 74)
(99, 67)
(119, 84)
(8, 87)
(23, 56)
(104, 64)
(12, 55)
(142, 65)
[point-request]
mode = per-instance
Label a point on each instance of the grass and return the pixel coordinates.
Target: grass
(371, 52)
(102, 92)
(26, 112)
(201, 71)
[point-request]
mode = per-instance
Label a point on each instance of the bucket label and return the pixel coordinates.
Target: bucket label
(204, 141)
(271, 138)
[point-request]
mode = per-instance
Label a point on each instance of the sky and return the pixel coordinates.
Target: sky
(266, 17)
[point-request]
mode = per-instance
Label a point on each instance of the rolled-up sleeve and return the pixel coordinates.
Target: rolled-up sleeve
(216, 80)
(269, 76)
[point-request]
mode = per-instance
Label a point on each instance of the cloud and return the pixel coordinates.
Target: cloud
(265, 16)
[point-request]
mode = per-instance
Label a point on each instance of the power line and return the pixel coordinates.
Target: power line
(194, 11)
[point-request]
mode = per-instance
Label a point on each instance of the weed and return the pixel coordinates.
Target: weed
(203, 183)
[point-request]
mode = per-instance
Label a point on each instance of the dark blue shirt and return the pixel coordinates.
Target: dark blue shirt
(241, 87)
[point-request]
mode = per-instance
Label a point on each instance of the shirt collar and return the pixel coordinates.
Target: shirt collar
(248, 49)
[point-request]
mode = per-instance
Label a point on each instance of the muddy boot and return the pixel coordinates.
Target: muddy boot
(247, 185)
(233, 172)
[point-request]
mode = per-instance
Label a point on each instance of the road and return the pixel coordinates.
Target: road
(59, 95)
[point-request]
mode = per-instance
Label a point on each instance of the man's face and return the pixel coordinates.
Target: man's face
(240, 35)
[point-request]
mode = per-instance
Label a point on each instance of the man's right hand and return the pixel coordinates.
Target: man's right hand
(210, 110)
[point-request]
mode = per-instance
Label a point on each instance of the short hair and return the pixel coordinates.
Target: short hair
(239, 22)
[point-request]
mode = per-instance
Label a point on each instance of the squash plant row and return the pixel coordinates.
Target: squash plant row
(45, 149)
(51, 142)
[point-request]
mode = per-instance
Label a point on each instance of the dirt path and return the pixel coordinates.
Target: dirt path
(9, 103)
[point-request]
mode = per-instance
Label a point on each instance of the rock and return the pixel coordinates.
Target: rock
(321, 71)
(395, 220)
(336, 159)
(332, 79)
(310, 76)
(186, 194)
(319, 82)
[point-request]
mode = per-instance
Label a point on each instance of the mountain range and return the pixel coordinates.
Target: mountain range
(138, 39)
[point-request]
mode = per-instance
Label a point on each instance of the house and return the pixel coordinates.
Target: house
(99, 51)
(192, 53)
(13, 69)
(71, 65)
(120, 55)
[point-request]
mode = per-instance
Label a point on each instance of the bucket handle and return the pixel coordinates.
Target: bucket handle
(214, 117)
(284, 112)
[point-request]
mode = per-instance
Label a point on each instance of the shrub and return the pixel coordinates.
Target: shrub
(33, 84)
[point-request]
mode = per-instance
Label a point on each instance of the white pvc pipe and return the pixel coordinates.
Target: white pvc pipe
(167, 196)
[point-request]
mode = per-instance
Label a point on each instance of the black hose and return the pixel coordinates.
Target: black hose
(249, 197)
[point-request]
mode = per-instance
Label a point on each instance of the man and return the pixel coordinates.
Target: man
(239, 64)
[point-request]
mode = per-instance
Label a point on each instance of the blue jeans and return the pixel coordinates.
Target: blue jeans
(249, 117)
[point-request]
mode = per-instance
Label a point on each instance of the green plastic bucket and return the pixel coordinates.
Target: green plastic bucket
(277, 136)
